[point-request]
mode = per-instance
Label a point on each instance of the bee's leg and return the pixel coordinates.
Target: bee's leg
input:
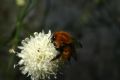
(56, 57)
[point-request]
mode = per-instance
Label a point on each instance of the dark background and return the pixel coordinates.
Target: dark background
(96, 23)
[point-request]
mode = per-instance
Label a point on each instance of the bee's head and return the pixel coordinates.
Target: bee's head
(56, 41)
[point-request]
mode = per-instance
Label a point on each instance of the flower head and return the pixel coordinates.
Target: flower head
(20, 2)
(35, 56)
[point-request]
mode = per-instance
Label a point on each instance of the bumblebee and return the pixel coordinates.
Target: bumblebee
(64, 44)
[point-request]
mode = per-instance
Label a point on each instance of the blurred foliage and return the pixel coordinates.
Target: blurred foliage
(98, 21)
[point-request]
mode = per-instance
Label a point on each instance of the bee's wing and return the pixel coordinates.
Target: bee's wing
(79, 43)
(74, 54)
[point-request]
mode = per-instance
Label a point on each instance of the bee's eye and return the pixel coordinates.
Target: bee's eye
(53, 38)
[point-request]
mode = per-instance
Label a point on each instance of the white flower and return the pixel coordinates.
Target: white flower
(36, 53)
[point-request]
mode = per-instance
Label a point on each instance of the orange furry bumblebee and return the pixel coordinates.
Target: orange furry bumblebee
(64, 43)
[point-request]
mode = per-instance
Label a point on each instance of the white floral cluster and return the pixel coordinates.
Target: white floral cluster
(36, 53)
